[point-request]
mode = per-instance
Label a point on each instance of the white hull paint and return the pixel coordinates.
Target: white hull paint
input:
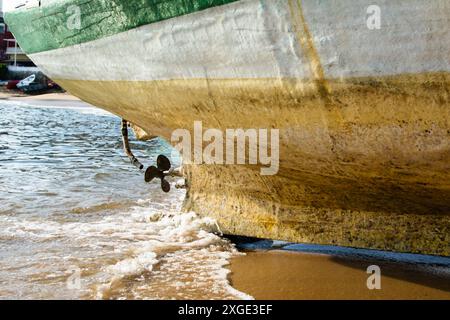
(263, 39)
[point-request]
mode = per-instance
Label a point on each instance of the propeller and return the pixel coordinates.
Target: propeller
(161, 170)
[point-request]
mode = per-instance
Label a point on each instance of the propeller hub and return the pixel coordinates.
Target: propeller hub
(160, 172)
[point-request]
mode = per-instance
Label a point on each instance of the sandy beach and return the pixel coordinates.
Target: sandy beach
(55, 99)
(282, 275)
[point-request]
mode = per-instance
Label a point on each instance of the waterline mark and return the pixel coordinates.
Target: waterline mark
(230, 147)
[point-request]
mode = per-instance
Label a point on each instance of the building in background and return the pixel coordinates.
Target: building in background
(14, 63)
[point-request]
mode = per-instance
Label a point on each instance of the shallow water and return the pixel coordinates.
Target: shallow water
(77, 220)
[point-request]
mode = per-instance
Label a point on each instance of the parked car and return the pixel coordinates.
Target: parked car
(26, 82)
(12, 84)
(30, 86)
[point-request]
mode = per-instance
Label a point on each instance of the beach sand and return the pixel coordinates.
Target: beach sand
(55, 99)
(277, 275)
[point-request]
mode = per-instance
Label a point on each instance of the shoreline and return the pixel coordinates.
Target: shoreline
(285, 275)
(53, 99)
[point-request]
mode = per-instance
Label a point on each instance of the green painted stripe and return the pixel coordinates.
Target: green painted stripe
(46, 28)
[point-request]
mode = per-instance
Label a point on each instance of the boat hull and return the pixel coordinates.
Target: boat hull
(364, 115)
(371, 174)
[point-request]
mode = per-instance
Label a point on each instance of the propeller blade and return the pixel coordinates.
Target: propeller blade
(165, 185)
(163, 163)
(152, 173)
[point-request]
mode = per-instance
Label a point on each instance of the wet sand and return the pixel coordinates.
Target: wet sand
(286, 275)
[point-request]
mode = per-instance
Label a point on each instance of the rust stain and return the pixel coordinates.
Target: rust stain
(305, 38)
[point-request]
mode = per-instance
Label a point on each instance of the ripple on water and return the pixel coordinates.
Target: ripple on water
(71, 201)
